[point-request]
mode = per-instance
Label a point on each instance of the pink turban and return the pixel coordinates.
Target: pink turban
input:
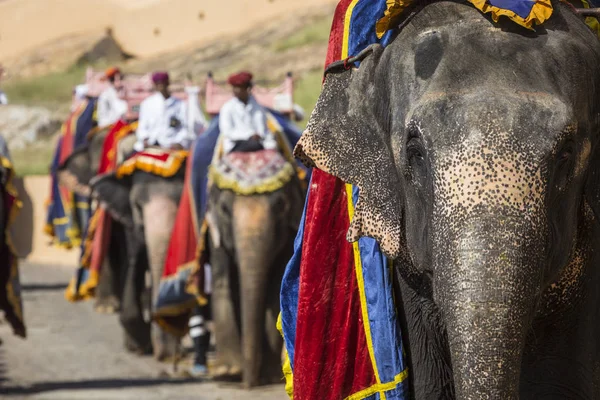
(160, 77)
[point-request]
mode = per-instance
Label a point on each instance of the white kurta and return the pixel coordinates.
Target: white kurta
(163, 122)
(3, 98)
(196, 120)
(239, 121)
(110, 107)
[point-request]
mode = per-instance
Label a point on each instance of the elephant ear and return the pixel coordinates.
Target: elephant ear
(113, 195)
(76, 172)
(347, 137)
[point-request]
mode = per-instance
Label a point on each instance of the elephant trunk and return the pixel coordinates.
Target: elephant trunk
(487, 292)
(254, 248)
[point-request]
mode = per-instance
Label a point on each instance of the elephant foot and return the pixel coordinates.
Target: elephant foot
(164, 354)
(166, 347)
(134, 348)
(227, 373)
(107, 305)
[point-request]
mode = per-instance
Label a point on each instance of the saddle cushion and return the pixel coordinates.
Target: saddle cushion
(161, 162)
(251, 173)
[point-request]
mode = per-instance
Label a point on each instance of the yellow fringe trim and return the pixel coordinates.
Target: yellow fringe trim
(287, 365)
(361, 292)
(271, 184)
(592, 22)
(86, 289)
(540, 12)
(379, 387)
(166, 169)
(395, 8)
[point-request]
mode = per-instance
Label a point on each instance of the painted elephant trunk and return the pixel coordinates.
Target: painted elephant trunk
(487, 298)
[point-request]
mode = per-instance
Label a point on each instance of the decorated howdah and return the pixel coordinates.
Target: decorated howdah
(338, 316)
(181, 286)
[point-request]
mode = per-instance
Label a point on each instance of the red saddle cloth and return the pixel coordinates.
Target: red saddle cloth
(250, 173)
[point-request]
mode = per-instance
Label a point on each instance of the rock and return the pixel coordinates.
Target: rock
(22, 126)
(106, 49)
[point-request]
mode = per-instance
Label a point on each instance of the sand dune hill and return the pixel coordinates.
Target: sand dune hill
(27, 24)
(143, 27)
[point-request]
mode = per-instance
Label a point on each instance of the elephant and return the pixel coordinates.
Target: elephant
(250, 240)
(143, 209)
(146, 204)
(475, 148)
(76, 173)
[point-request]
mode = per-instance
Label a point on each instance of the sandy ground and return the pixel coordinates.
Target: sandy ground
(74, 353)
(143, 27)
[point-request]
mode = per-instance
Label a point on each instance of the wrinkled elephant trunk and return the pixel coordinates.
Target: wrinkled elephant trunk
(487, 295)
(254, 246)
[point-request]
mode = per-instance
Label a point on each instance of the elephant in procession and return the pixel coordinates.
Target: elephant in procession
(76, 173)
(145, 205)
(477, 158)
(251, 239)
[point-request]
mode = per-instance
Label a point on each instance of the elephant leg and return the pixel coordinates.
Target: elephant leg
(159, 217)
(106, 299)
(114, 270)
(137, 330)
(225, 312)
(271, 371)
(253, 244)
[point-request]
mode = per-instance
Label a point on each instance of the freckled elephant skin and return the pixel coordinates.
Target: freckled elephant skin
(255, 241)
(478, 162)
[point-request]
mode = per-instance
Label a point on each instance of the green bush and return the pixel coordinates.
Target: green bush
(50, 90)
(317, 32)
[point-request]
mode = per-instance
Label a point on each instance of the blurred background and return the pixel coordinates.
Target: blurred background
(46, 46)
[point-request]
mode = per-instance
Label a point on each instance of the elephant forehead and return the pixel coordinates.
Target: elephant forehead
(478, 174)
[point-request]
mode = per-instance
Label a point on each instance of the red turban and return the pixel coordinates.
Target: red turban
(112, 71)
(160, 77)
(240, 79)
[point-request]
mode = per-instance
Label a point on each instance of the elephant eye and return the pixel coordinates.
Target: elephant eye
(564, 163)
(565, 155)
(416, 160)
(415, 153)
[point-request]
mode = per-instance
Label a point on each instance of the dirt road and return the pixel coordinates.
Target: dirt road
(74, 353)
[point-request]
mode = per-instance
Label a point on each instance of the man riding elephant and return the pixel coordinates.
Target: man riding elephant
(144, 193)
(111, 107)
(242, 121)
(254, 205)
(163, 119)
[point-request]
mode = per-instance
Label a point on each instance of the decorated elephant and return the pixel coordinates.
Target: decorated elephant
(143, 207)
(254, 207)
(146, 203)
(75, 174)
(475, 148)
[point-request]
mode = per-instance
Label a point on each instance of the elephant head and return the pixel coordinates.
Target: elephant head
(82, 165)
(475, 149)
